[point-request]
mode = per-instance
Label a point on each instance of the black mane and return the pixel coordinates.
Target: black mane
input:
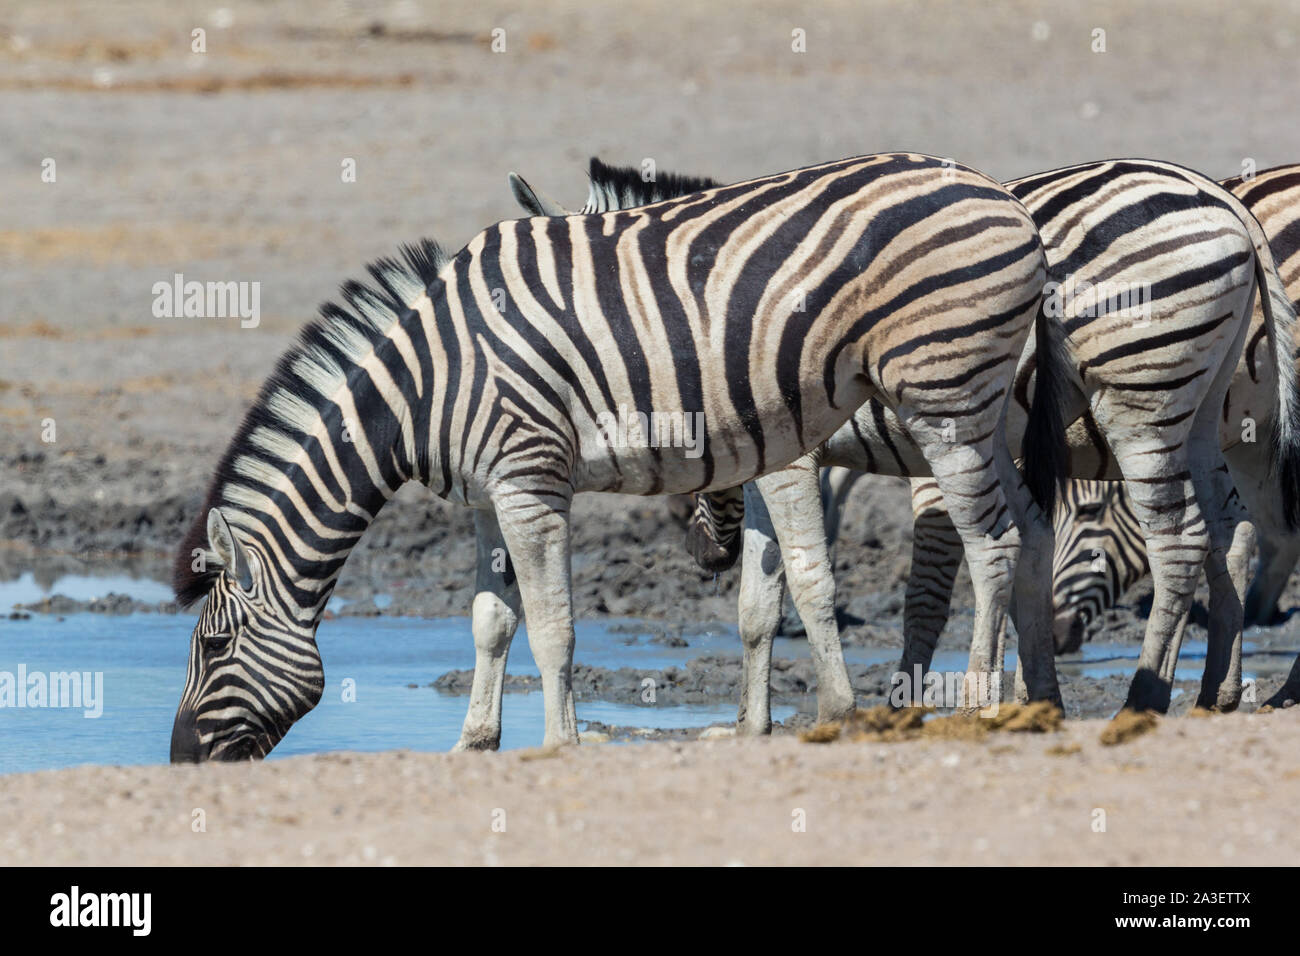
(371, 313)
(624, 187)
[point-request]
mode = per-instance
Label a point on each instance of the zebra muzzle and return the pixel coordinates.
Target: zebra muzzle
(187, 747)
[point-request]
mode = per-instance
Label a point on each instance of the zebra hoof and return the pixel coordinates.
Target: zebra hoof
(835, 713)
(1148, 692)
(1286, 697)
(477, 742)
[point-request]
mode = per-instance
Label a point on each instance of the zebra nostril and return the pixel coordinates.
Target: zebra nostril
(186, 746)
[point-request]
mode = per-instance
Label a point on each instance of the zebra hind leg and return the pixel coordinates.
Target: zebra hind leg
(762, 593)
(1227, 571)
(794, 504)
(1163, 499)
(977, 504)
(495, 617)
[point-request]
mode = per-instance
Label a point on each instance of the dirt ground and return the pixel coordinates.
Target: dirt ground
(1208, 791)
(226, 165)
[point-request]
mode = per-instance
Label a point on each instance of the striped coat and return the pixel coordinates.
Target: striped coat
(683, 346)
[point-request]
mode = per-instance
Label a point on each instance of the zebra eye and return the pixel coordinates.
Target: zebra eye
(215, 643)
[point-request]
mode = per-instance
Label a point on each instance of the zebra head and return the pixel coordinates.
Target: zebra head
(254, 669)
(1099, 555)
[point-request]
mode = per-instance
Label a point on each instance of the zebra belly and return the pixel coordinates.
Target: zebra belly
(643, 453)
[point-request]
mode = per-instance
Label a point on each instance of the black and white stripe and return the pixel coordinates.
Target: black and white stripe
(1099, 517)
(773, 307)
(1153, 394)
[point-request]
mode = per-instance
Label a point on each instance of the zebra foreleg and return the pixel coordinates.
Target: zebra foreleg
(836, 484)
(794, 504)
(1278, 554)
(1289, 694)
(936, 557)
(1230, 538)
(762, 593)
(535, 531)
(1031, 605)
(1279, 550)
(495, 617)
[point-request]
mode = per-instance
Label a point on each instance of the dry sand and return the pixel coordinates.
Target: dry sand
(1219, 790)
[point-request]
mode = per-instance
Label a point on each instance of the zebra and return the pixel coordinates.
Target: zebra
(985, 535)
(1102, 516)
(1100, 552)
(500, 376)
(1099, 542)
(1154, 417)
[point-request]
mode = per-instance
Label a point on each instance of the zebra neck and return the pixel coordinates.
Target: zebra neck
(304, 500)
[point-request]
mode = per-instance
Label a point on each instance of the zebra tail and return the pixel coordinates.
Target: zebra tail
(1045, 454)
(1279, 324)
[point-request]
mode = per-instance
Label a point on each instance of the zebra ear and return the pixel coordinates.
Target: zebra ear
(534, 201)
(228, 550)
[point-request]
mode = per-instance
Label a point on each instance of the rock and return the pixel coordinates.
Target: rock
(717, 733)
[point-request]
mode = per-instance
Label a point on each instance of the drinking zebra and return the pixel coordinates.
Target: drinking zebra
(774, 308)
(1152, 419)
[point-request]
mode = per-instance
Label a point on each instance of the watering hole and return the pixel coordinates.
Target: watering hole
(102, 688)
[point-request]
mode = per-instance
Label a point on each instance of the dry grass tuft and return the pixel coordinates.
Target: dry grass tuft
(1039, 717)
(885, 723)
(822, 733)
(1127, 725)
(1063, 750)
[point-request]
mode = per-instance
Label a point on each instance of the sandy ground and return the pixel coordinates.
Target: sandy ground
(225, 165)
(1208, 791)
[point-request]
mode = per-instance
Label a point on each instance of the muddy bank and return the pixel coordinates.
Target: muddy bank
(628, 553)
(717, 679)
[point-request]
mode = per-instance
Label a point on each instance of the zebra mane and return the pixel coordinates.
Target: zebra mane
(623, 187)
(313, 368)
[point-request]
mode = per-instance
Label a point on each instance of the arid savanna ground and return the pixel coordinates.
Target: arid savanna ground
(231, 164)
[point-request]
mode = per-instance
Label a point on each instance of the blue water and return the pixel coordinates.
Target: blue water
(80, 587)
(142, 659)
